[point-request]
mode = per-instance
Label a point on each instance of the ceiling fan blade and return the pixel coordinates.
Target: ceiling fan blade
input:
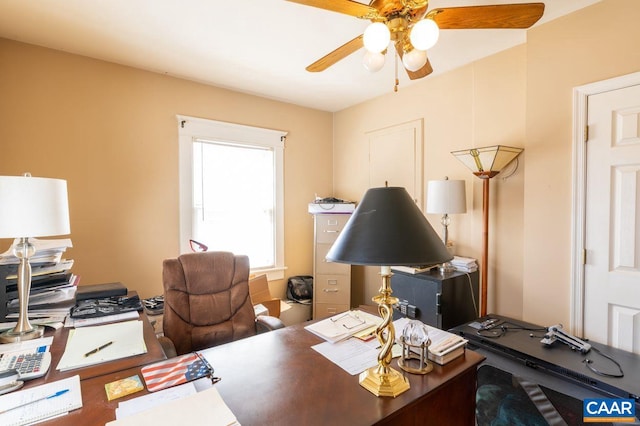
(347, 7)
(414, 75)
(340, 53)
(522, 15)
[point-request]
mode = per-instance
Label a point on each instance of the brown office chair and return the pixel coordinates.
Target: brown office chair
(207, 303)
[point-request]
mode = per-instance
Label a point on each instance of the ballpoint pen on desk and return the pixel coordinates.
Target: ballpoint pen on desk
(96, 350)
(60, 392)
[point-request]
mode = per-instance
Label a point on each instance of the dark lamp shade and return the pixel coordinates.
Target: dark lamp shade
(387, 229)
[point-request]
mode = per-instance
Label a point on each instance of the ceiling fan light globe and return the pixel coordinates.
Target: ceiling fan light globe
(373, 61)
(414, 59)
(376, 37)
(424, 34)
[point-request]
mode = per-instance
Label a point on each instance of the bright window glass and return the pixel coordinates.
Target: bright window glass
(231, 191)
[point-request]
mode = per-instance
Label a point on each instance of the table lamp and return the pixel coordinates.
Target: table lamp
(387, 229)
(485, 163)
(30, 207)
(446, 197)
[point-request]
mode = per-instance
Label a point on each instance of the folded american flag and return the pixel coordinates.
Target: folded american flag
(175, 371)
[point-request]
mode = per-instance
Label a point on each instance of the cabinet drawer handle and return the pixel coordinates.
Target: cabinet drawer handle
(330, 290)
(329, 231)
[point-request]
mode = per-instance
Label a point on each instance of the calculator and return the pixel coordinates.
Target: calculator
(30, 365)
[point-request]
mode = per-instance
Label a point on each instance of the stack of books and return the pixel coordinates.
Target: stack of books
(464, 264)
(53, 285)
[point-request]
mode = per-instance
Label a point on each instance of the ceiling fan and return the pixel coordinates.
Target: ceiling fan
(413, 29)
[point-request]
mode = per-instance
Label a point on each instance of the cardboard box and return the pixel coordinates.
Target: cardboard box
(261, 295)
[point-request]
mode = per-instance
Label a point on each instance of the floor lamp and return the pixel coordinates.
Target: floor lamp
(30, 207)
(387, 229)
(486, 163)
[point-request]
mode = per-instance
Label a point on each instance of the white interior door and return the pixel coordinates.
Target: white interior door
(612, 219)
(395, 157)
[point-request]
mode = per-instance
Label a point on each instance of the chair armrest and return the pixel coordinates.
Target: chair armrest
(268, 323)
(168, 347)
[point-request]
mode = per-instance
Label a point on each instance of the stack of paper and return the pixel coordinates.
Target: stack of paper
(343, 326)
(464, 264)
(201, 408)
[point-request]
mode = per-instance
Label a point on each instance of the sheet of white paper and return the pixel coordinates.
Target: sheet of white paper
(352, 355)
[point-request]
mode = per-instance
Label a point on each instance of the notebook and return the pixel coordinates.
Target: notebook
(38, 403)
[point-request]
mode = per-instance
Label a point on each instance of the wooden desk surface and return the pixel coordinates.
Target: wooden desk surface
(277, 379)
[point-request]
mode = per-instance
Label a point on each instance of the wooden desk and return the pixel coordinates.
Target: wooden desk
(277, 379)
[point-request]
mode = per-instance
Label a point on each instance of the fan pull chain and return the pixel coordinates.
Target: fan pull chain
(395, 87)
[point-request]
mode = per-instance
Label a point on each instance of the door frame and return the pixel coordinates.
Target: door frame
(578, 206)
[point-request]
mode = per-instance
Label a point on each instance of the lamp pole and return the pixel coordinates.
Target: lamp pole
(484, 261)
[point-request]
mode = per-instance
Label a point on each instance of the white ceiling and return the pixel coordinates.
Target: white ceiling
(259, 47)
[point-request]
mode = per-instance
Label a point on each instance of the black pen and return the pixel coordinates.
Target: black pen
(97, 349)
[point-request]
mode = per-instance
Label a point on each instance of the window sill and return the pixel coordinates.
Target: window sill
(276, 273)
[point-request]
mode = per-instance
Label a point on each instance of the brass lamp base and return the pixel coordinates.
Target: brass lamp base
(12, 336)
(392, 383)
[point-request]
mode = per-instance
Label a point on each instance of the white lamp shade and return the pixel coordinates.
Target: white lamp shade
(446, 196)
(376, 37)
(424, 34)
(372, 61)
(414, 59)
(33, 207)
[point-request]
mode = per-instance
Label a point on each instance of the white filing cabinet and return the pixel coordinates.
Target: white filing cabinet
(331, 280)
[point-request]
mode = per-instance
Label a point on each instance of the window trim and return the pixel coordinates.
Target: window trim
(193, 128)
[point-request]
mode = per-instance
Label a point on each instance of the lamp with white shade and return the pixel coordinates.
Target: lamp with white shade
(30, 207)
(446, 197)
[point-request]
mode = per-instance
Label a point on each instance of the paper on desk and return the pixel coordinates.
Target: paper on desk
(342, 326)
(127, 340)
(154, 399)
(40, 409)
(201, 408)
(352, 355)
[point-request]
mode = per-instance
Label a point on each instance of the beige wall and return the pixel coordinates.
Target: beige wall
(520, 97)
(477, 105)
(595, 44)
(111, 131)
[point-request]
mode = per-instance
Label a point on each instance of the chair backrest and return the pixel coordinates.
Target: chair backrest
(206, 300)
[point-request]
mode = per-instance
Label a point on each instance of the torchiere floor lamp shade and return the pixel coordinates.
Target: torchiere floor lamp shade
(486, 163)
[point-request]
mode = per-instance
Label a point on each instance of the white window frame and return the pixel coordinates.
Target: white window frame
(193, 128)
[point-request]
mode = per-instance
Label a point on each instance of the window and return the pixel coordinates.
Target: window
(231, 191)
